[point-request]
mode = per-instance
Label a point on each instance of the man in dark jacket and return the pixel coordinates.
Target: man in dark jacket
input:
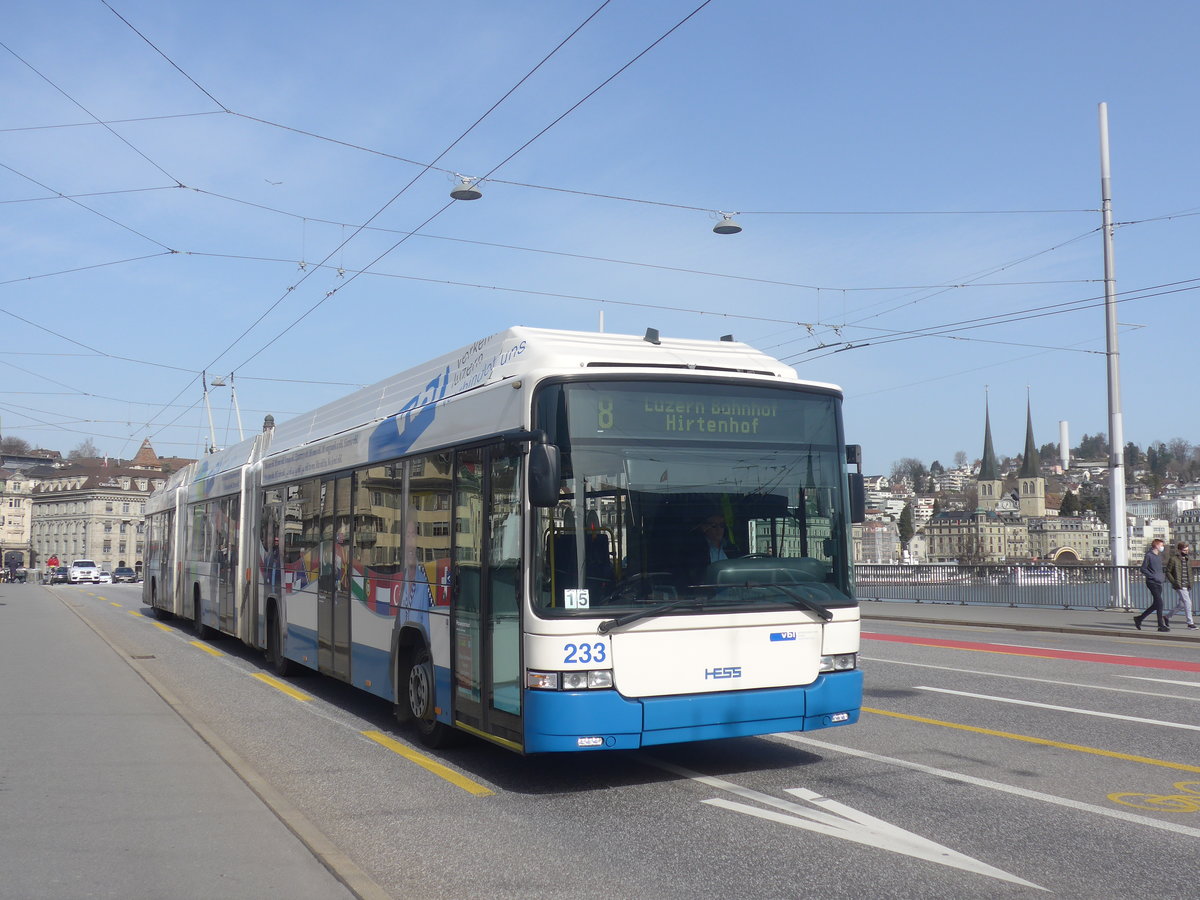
(1179, 573)
(1152, 569)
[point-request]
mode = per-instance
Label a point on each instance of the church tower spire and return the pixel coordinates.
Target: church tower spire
(989, 484)
(1033, 485)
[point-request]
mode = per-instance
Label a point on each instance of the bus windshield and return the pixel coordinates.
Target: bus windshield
(692, 495)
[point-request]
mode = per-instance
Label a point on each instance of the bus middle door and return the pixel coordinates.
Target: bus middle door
(333, 580)
(486, 605)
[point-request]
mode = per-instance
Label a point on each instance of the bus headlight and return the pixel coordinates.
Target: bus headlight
(839, 662)
(541, 681)
(579, 680)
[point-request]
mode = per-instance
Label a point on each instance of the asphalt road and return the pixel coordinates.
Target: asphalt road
(987, 764)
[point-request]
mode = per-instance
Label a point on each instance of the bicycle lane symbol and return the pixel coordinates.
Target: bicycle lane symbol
(1186, 801)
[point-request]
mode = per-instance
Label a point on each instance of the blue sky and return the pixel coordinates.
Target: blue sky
(832, 129)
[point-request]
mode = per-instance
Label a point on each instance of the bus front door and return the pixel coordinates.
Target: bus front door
(486, 606)
(333, 581)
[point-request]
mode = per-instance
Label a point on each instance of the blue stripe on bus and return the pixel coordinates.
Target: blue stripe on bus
(366, 664)
(600, 720)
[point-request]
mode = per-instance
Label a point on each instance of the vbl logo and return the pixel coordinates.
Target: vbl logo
(724, 672)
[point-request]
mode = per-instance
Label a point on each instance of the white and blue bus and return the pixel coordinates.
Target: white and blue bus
(552, 540)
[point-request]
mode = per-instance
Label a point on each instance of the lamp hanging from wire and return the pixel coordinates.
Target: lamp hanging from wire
(467, 189)
(727, 225)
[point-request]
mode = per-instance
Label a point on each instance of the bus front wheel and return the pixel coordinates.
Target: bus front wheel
(420, 691)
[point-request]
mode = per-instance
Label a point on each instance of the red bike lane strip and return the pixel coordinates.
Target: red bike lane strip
(1138, 661)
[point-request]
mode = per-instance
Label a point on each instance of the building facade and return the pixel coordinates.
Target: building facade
(876, 542)
(91, 509)
(1069, 539)
(981, 537)
(16, 515)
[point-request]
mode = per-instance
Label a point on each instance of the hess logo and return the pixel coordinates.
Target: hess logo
(724, 672)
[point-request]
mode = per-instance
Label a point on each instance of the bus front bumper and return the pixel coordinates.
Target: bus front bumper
(604, 720)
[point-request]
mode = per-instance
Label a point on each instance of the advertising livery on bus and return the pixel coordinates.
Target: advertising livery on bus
(552, 540)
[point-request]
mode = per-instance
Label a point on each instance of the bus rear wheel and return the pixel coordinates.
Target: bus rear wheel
(157, 611)
(419, 688)
(197, 622)
(280, 663)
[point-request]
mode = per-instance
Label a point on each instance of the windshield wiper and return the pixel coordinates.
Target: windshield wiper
(791, 595)
(609, 624)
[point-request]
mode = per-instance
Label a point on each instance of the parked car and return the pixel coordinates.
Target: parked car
(104, 577)
(84, 570)
(59, 575)
(124, 574)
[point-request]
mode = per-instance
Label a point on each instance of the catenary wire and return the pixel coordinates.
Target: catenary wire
(626, 262)
(508, 158)
(88, 208)
(380, 211)
(40, 75)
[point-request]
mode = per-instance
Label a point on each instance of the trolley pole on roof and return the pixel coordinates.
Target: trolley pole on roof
(237, 410)
(212, 432)
(1119, 585)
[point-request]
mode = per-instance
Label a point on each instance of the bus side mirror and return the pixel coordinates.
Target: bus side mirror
(858, 487)
(858, 498)
(543, 475)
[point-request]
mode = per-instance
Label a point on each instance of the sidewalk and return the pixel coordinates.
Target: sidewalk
(107, 791)
(1104, 622)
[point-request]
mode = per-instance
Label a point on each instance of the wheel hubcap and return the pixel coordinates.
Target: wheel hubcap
(418, 691)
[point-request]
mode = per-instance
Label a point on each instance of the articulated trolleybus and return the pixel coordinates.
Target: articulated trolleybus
(552, 540)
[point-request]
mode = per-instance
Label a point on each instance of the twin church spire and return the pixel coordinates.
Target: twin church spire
(1030, 496)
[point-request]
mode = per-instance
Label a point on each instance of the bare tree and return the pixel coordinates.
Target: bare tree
(86, 450)
(1181, 454)
(960, 458)
(912, 469)
(14, 446)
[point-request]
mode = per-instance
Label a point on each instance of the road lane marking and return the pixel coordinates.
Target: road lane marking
(1050, 706)
(207, 649)
(1029, 739)
(163, 627)
(113, 603)
(1094, 687)
(281, 686)
(838, 820)
(1192, 684)
(1026, 793)
(429, 763)
(1039, 652)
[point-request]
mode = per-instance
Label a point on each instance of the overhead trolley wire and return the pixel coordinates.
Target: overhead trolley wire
(1002, 319)
(94, 212)
(99, 121)
(413, 181)
(622, 262)
(384, 207)
(507, 159)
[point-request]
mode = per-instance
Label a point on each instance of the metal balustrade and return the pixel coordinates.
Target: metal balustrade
(1058, 587)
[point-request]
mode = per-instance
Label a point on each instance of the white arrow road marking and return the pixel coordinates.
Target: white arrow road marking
(838, 820)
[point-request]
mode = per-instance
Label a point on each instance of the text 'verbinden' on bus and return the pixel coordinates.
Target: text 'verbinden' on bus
(552, 540)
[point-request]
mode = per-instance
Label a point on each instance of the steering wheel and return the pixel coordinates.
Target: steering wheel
(635, 587)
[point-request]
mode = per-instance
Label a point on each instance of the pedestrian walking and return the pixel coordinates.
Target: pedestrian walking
(1179, 573)
(1152, 569)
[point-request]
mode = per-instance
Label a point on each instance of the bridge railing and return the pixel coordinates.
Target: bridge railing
(1060, 587)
